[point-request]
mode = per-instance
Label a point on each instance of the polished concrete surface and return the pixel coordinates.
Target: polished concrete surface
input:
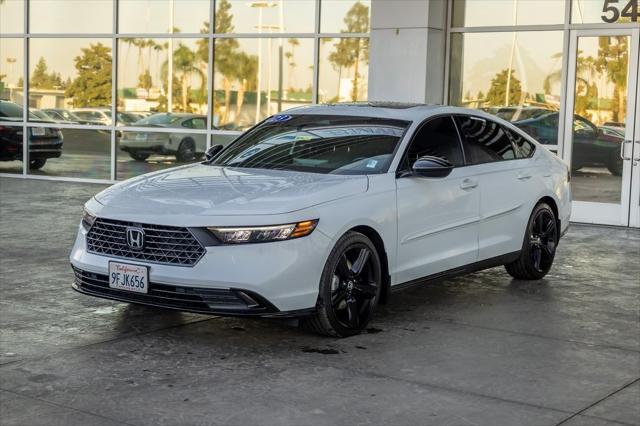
(481, 349)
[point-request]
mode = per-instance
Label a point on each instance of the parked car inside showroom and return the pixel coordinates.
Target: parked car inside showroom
(185, 146)
(44, 142)
(320, 212)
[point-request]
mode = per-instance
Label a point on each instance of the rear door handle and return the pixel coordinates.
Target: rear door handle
(469, 184)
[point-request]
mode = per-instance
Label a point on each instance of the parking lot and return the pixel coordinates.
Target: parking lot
(481, 349)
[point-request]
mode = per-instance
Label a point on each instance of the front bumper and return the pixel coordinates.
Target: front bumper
(225, 302)
(281, 277)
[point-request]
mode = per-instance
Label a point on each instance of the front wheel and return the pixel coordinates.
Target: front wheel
(539, 246)
(186, 151)
(349, 288)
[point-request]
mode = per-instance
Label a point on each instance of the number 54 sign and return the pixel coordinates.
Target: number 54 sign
(613, 10)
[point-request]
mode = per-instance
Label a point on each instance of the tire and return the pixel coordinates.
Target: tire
(37, 164)
(186, 151)
(539, 245)
(350, 288)
(615, 164)
(138, 156)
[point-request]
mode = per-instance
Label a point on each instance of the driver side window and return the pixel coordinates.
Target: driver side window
(437, 137)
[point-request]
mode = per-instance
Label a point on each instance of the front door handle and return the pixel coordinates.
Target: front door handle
(469, 184)
(524, 176)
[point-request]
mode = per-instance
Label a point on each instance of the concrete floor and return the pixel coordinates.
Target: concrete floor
(481, 349)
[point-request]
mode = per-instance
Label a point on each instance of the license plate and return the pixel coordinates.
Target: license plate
(38, 131)
(124, 276)
(141, 137)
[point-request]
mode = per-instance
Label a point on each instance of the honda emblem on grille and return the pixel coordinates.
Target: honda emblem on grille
(135, 238)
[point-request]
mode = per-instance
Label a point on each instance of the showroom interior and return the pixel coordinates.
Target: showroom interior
(68, 68)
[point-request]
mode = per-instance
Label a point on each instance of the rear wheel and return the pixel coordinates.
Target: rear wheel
(37, 163)
(349, 288)
(539, 247)
(138, 156)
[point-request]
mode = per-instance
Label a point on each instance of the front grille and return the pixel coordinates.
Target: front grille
(191, 299)
(163, 244)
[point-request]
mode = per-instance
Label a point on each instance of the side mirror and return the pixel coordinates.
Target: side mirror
(212, 152)
(434, 167)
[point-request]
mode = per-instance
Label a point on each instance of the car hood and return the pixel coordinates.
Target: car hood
(220, 191)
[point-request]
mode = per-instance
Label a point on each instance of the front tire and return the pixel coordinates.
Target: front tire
(186, 151)
(539, 246)
(350, 288)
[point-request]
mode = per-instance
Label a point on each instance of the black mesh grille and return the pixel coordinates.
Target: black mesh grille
(163, 244)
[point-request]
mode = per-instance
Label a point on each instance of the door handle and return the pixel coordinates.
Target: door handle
(469, 184)
(523, 176)
(622, 145)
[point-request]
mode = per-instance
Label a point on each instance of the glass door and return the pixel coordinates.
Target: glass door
(601, 126)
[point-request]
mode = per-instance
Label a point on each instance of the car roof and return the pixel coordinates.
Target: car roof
(392, 110)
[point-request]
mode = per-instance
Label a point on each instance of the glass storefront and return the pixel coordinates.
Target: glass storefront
(566, 73)
(155, 83)
(514, 75)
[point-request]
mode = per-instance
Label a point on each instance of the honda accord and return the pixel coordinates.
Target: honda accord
(320, 212)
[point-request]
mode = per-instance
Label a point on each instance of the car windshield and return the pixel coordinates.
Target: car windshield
(160, 119)
(318, 144)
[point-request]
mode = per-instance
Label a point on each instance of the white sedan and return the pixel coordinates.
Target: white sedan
(320, 212)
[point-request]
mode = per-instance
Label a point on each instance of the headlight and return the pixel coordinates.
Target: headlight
(88, 218)
(264, 234)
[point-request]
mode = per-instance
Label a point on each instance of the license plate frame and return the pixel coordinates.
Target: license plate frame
(129, 277)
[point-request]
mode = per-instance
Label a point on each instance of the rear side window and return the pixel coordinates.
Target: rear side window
(437, 137)
(484, 141)
(524, 148)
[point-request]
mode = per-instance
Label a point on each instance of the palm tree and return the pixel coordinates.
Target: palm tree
(185, 64)
(246, 72)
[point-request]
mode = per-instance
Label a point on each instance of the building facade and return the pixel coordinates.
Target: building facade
(133, 86)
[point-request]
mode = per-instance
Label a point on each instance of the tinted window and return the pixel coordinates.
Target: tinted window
(437, 137)
(484, 141)
(318, 144)
(199, 123)
(524, 148)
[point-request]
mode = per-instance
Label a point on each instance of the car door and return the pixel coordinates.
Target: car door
(437, 217)
(505, 183)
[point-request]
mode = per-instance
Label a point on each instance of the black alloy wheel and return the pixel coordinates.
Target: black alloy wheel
(349, 289)
(543, 240)
(539, 247)
(353, 286)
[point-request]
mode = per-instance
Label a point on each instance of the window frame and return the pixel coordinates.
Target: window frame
(402, 171)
